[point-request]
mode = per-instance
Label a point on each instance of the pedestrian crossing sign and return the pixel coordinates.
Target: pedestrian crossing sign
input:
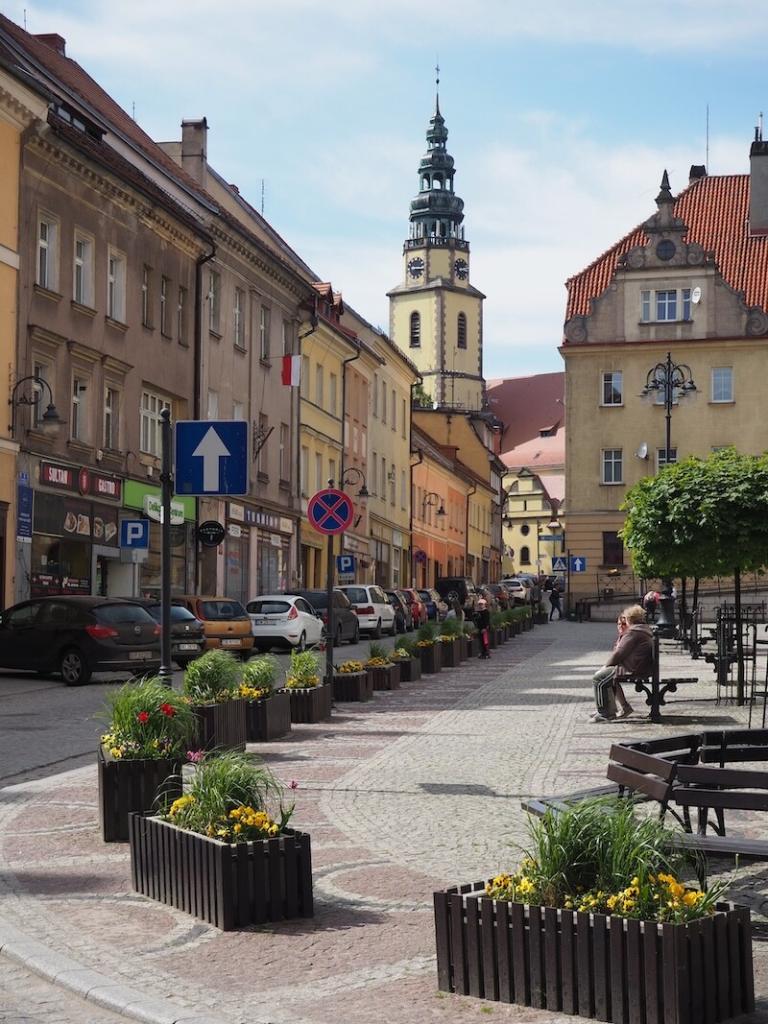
(559, 564)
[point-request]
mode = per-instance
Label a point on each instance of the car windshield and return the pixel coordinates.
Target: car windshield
(222, 610)
(317, 598)
(178, 614)
(115, 614)
(268, 607)
(357, 595)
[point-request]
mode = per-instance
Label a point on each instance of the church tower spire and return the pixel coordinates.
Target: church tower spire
(436, 315)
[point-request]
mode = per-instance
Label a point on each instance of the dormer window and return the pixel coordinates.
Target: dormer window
(665, 305)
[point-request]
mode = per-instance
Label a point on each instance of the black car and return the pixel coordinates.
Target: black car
(459, 587)
(187, 632)
(77, 636)
(345, 624)
(403, 614)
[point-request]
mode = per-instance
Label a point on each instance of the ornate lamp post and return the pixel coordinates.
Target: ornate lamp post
(29, 391)
(432, 498)
(669, 380)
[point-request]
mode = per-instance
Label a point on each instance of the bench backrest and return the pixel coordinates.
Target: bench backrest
(683, 749)
(704, 786)
(642, 773)
(725, 746)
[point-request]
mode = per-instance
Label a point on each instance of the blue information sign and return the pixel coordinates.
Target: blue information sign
(559, 563)
(24, 512)
(211, 457)
(578, 564)
(134, 533)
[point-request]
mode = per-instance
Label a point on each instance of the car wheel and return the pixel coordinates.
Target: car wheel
(75, 670)
(356, 634)
(245, 655)
(183, 662)
(393, 628)
(302, 644)
(376, 633)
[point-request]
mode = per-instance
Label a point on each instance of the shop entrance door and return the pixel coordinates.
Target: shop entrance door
(101, 581)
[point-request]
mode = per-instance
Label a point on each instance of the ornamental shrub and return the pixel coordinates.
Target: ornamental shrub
(148, 720)
(212, 678)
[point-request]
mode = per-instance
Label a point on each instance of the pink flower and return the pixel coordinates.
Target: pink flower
(195, 755)
(294, 784)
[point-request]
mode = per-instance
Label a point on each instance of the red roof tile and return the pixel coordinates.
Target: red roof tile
(527, 405)
(716, 210)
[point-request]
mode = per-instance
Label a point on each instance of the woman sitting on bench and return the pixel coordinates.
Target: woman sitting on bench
(632, 655)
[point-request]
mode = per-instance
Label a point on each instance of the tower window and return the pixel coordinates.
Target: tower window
(425, 184)
(462, 330)
(415, 333)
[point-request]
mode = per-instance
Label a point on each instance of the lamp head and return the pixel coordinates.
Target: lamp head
(50, 421)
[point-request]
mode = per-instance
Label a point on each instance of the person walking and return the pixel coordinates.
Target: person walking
(632, 653)
(554, 601)
(483, 623)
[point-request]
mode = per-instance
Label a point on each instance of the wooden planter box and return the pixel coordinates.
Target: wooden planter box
(410, 669)
(127, 786)
(493, 638)
(430, 659)
(542, 618)
(229, 885)
(471, 647)
(608, 968)
(310, 705)
(352, 686)
(268, 718)
(449, 654)
(385, 678)
(221, 726)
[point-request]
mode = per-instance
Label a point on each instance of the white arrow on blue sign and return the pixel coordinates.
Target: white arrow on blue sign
(211, 457)
(578, 564)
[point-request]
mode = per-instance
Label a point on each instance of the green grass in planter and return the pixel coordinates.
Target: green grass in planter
(406, 644)
(260, 674)
(470, 629)
(377, 651)
(452, 627)
(148, 720)
(497, 620)
(304, 671)
(212, 677)
(427, 631)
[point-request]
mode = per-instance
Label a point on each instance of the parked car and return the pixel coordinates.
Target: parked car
(436, 607)
(417, 606)
(534, 582)
(501, 594)
(374, 612)
(77, 636)
(225, 622)
(519, 590)
(283, 620)
(403, 616)
(187, 632)
(460, 587)
(345, 624)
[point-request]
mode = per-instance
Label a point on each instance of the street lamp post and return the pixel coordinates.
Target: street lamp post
(669, 379)
(432, 499)
(29, 391)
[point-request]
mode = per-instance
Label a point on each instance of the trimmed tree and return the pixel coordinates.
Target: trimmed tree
(702, 517)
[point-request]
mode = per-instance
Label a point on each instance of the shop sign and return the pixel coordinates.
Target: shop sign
(264, 519)
(210, 533)
(153, 508)
(286, 525)
(236, 511)
(234, 530)
(76, 519)
(486, 553)
(81, 481)
(397, 538)
(24, 506)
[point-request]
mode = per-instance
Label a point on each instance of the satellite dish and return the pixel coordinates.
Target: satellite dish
(696, 295)
(642, 451)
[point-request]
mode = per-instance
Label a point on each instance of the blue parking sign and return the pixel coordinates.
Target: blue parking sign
(134, 533)
(345, 565)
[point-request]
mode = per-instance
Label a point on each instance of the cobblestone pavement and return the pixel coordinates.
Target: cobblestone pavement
(26, 998)
(418, 790)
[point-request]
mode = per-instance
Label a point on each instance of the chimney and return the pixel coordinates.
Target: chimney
(696, 172)
(194, 150)
(758, 183)
(55, 41)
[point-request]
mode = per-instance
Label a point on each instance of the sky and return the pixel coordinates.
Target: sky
(562, 116)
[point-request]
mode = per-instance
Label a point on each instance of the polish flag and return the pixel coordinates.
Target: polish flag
(292, 371)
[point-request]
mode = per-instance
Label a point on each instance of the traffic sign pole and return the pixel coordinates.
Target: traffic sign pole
(330, 629)
(166, 481)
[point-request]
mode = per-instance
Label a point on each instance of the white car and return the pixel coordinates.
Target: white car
(280, 620)
(519, 590)
(374, 612)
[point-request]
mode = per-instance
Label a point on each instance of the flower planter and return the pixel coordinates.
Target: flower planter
(386, 677)
(352, 686)
(449, 654)
(430, 659)
(132, 785)
(542, 618)
(268, 718)
(493, 638)
(410, 669)
(470, 646)
(608, 968)
(221, 726)
(229, 885)
(310, 704)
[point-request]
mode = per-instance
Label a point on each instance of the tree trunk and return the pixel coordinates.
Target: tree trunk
(684, 635)
(739, 637)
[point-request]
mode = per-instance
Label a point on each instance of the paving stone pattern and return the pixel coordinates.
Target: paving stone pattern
(414, 791)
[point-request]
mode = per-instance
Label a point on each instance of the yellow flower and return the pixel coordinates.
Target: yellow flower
(612, 901)
(692, 898)
(180, 804)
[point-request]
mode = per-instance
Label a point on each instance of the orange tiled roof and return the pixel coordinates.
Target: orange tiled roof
(716, 210)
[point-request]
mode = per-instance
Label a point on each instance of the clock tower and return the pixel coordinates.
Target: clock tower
(436, 315)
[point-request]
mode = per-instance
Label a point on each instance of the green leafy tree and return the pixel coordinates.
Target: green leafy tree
(702, 517)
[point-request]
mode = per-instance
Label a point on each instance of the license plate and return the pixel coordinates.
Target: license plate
(140, 655)
(187, 647)
(258, 622)
(231, 643)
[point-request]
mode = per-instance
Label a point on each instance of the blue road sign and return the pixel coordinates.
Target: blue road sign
(134, 533)
(560, 564)
(345, 565)
(211, 457)
(578, 564)
(330, 511)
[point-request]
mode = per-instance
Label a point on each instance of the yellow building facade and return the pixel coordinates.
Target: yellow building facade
(531, 538)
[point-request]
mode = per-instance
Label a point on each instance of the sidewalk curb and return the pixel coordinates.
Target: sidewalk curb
(92, 986)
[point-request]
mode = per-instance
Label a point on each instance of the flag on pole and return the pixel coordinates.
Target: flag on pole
(292, 371)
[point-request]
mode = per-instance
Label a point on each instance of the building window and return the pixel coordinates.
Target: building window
(304, 471)
(238, 313)
(82, 283)
(319, 481)
(392, 485)
(375, 392)
(415, 331)
(612, 466)
(403, 490)
(304, 382)
(116, 287)
(374, 473)
(181, 316)
(525, 529)
(332, 393)
(47, 252)
(661, 458)
(722, 384)
(262, 466)
(264, 334)
(664, 305)
(285, 452)
(146, 297)
(152, 407)
(212, 405)
(332, 471)
(404, 419)
(78, 420)
(613, 549)
(613, 388)
(111, 419)
(383, 401)
(461, 330)
(37, 409)
(238, 411)
(394, 409)
(319, 396)
(525, 556)
(685, 295)
(287, 337)
(214, 302)
(164, 307)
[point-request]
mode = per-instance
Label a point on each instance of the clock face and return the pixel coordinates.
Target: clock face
(665, 250)
(461, 267)
(416, 266)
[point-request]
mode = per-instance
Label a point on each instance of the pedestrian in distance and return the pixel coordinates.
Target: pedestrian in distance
(632, 654)
(554, 601)
(483, 623)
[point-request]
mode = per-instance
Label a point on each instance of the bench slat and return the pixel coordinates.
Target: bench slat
(730, 778)
(727, 799)
(648, 784)
(642, 762)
